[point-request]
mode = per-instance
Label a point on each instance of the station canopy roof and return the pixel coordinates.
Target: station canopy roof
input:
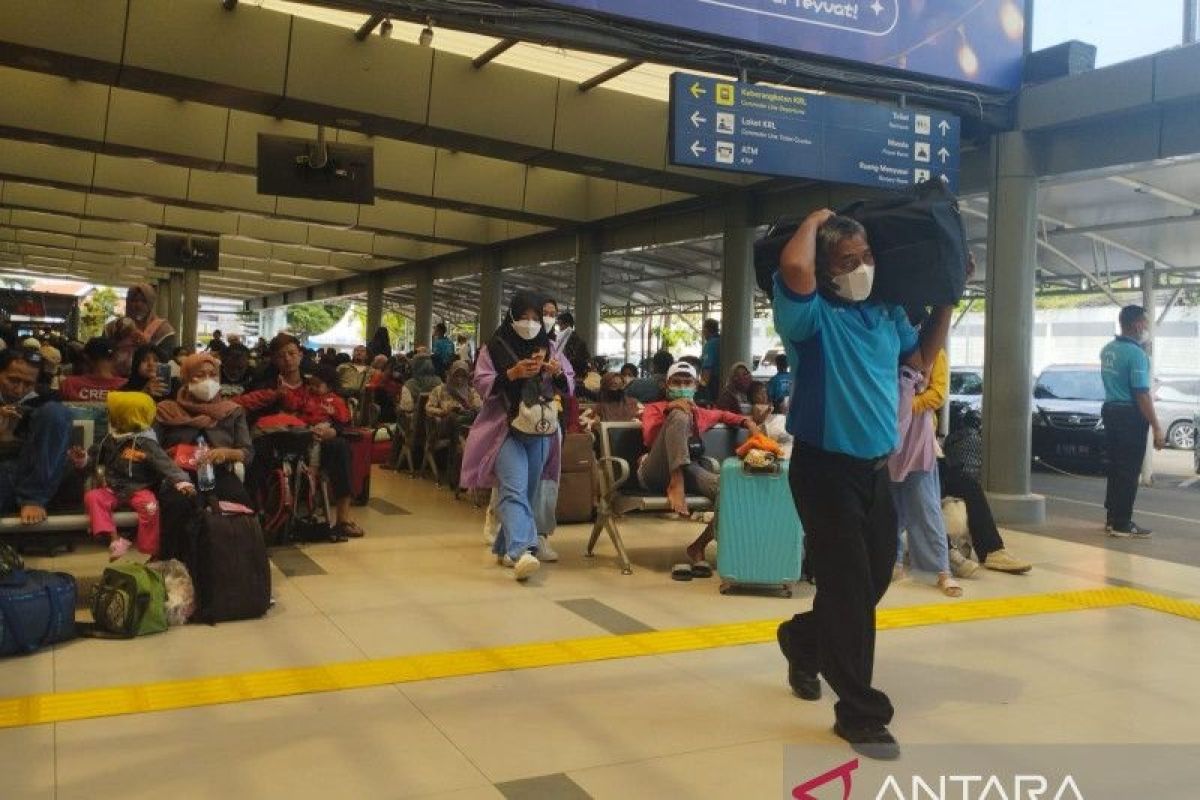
(143, 117)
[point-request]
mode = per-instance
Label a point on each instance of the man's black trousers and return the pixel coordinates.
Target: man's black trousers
(1126, 430)
(850, 540)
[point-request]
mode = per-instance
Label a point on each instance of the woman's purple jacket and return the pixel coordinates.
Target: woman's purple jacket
(491, 428)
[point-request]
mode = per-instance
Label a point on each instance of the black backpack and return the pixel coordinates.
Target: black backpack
(919, 243)
(918, 239)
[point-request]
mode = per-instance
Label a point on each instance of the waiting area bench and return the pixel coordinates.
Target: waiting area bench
(621, 493)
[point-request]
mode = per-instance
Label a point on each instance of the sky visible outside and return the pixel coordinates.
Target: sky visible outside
(1120, 29)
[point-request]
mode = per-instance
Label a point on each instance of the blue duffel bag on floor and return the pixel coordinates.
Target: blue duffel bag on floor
(37, 608)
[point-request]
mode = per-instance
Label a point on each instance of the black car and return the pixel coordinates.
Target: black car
(1067, 429)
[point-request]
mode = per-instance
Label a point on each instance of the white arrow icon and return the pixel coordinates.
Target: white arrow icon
(943, 126)
(698, 90)
(697, 149)
(943, 154)
(698, 120)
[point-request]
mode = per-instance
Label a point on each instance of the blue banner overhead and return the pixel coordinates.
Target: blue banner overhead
(971, 41)
(743, 127)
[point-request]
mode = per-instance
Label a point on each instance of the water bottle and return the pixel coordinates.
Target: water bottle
(206, 479)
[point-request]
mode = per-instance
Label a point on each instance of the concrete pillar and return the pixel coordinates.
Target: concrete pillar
(1151, 319)
(191, 307)
(175, 302)
(374, 304)
(628, 333)
(588, 255)
(737, 285)
(424, 309)
(491, 295)
(1008, 365)
(162, 287)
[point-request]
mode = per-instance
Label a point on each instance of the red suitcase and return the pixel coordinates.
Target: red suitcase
(362, 445)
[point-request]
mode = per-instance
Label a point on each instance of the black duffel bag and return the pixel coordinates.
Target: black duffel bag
(918, 240)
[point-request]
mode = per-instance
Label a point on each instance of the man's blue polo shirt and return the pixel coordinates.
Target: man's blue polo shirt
(846, 359)
(1125, 369)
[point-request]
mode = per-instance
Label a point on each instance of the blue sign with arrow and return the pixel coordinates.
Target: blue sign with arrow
(743, 127)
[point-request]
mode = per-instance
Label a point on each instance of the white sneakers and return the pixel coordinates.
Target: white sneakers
(526, 565)
(523, 567)
(545, 552)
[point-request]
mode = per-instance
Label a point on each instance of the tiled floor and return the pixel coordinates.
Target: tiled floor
(709, 723)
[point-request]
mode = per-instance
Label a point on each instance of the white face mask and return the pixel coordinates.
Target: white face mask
(1143, 337)
(527, 329)
(204, 390)
(548, 323)
(855, 285)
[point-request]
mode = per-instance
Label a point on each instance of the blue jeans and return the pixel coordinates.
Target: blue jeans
(918, 501)
(518, 472)
(33, 476)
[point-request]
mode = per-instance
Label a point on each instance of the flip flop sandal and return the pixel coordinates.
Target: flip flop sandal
(681, 572)
(702, 569)
(949, 586)
(354, 530)
(675, 516)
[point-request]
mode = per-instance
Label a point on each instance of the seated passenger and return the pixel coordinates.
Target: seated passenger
(455, 397)
(652, 388)
(129, 466)
(321, 404)
(615, 405)
(629, 374)
(354, 372)
(51, 369)
(35, 432)
(671, 431)
(735, 397)
(767, 417)
(198, 410)
(423, 381)
(291, 395)
(99, 375)
(144, 374)
(235, 369)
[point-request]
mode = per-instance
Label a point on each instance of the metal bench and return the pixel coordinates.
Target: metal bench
(621, 493)
(63, 522)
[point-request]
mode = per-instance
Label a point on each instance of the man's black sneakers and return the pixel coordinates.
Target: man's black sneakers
(805, 685)
(1132, 530)
(875, 742)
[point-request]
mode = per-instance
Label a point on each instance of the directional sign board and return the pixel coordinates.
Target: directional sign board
(743, 127)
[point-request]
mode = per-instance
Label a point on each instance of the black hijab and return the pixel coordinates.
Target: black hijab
(502, 356)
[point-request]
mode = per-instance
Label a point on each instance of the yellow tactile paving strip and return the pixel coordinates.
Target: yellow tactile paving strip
(40, 709)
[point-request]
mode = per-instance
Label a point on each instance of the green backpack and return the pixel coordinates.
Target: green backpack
(129, 601)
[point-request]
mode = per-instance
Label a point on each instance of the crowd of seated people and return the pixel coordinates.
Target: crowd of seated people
(161, 395)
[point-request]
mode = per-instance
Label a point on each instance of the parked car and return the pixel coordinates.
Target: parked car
(1066, 418)
(1067, 429)
(966, 392)
(1177, 401)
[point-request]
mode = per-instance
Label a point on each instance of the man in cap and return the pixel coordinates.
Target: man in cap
(671, 428)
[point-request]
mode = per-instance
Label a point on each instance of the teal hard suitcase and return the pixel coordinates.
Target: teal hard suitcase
(760, 541)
